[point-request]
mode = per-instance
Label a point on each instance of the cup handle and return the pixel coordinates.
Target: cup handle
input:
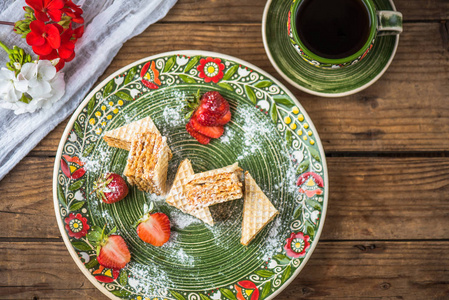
(389, 22)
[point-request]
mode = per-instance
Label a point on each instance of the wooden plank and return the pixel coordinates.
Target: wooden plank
(336, 270)
(370, 198)
(252, 10)
(406, 110)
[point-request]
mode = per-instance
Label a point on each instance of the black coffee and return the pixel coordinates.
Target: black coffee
(333, 28)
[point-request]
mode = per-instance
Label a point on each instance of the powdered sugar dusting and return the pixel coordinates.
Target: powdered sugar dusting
(181, 220)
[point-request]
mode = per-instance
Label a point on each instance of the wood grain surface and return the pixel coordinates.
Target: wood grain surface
(386, 234)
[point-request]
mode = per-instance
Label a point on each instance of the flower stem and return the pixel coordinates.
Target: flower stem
(5, 48)
(7, 23)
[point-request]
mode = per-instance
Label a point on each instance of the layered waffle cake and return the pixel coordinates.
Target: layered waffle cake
(214, 186)
(257, 210)
(147, 163)
(176, 196)
(121, 137)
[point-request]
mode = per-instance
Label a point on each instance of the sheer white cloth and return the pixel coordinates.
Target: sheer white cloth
(109, 23)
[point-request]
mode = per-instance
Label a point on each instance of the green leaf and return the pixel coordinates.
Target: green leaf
(92, 263)
(187, 79)
(265, 290)
(91, 105)
(288, 137)
(61, 196)
(263, 84)
(108, 88)
(251, 95)
(310, 229)
(113, 230)
(281, 258)
(123, 279)
(304, 166)
(225, 86)
(177, 295)
(169, 64)
(88, 149)
(121, 293)
(274, 113)
(286, 273)
(191, 64)
(82, 246)
(204, 297)
(315, 154)
(298, 211)
(227, 293)
(313, 204)
(131, 73)
(264, 273)
(231, 71)
(78, 130)
(283, 100)
(77, 205)
(124, 96)
(76, 185)
(93, 236)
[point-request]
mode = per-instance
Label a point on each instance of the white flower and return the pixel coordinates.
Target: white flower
(181, 60)
(119, 80)
(10, 86)
(38, 81)
(243, 71)
(134, 92)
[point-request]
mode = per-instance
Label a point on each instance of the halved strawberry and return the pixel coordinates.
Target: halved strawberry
(214, 102)
(198, 136)
(210, 131)
(112, 251)
(154, 229)
(225, 119)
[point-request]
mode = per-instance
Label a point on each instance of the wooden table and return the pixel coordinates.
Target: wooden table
(386, 234)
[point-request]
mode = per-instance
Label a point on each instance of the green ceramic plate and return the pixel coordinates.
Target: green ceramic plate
(316, 81)
(270, 135)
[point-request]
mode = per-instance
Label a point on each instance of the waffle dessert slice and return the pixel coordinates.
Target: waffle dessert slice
(257, 210)
(121, 137)
(214, 186)
(147, 163)
(177, 198)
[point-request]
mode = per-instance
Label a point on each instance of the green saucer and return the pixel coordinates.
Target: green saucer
(311, 79)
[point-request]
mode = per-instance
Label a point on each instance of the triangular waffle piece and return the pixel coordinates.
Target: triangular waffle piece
(177, 198)
(121, 137)
(257, 210)
(214, 186)
(147, 163)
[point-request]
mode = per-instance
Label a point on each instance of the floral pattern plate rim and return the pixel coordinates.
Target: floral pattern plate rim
(322, 82)
(270, 134)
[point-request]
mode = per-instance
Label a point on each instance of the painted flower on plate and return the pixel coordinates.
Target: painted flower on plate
(297, 244)
(76, 225)
(150, 75)
(247, 290)
(211, 69)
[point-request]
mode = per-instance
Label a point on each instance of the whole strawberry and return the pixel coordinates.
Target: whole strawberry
(110, 188)
(112, 251)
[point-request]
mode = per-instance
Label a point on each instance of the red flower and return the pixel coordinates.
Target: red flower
(44, 10)
(211, 69)
(76, 225)
(297, 244)
(72, 172)
(251, 293)
(106, 275)
(150, 76)
(43, 37)
(74, 11)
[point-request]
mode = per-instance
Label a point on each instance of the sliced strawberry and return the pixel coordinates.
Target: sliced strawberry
(214, 102)
(114, 253)
(154, 229)
(225, 119)
(198, 136)
(205, 117)
(210, 131)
